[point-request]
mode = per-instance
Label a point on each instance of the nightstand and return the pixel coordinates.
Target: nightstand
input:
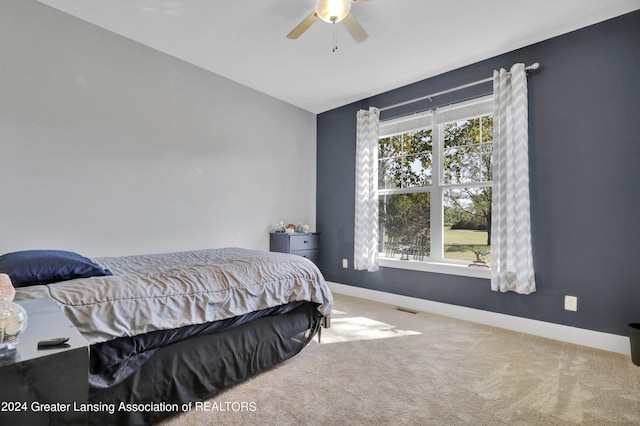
(301, 244)
(44, 386)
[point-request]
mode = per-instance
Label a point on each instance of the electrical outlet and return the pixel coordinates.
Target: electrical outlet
(345, 263)
(571, 303)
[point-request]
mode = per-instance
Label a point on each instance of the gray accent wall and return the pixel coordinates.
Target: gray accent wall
(109, 147)
(584, 137)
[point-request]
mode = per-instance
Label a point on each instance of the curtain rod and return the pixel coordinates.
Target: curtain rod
(533, 66)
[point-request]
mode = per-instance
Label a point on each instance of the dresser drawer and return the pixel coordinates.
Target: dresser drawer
(312, 255)
(303, 242)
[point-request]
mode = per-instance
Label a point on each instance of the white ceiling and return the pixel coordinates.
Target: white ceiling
(409, 40)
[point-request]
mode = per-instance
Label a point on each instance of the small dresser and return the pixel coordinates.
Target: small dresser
(301, 244)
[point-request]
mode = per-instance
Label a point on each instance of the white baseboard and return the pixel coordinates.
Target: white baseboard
(579, 336)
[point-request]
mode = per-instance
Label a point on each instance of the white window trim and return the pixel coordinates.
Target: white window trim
(436, 263)
(442, 267)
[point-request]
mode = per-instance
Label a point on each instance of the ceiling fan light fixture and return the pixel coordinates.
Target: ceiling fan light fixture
(333, 11)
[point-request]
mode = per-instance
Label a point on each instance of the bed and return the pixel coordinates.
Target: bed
(169, 329)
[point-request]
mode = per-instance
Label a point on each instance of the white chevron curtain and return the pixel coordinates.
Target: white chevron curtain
(365, 256)
(511, 257)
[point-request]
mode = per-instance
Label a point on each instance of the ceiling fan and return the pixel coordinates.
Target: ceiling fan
(332, 11)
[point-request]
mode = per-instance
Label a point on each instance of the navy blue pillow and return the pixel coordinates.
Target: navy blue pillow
(33, 267)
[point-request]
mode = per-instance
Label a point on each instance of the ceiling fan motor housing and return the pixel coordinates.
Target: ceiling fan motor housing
(333, 11)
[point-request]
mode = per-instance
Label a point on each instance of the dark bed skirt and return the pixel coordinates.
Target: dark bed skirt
(202, 366)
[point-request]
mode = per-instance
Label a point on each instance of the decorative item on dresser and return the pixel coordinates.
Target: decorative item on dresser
(302, 244)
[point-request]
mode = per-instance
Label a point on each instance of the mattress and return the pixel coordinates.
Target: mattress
(147, 293)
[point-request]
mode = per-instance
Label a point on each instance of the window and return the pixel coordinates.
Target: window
(434, 184)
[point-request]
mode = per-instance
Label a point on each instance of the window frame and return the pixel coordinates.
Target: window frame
(436, 119)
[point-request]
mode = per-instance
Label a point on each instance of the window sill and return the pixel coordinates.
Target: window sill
(437, 267)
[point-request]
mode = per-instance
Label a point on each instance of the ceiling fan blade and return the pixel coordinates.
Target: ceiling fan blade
(355, 29)
(303, 26)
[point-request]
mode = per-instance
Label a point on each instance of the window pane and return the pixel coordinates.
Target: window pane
(418, 142)
(467, 218)
(390, 173)
(487, 128)
(405, 225)
(417, 170)
(390, 147)
(468, 132)
(467, 151)
(405, 160)
(467, 164)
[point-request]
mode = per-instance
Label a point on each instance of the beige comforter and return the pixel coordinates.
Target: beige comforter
(166, 291)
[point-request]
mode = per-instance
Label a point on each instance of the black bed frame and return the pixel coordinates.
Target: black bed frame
(201, 366)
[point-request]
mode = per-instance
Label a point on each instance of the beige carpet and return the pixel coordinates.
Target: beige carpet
(379, 365)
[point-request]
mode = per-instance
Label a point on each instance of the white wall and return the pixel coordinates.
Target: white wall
(110, 148)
